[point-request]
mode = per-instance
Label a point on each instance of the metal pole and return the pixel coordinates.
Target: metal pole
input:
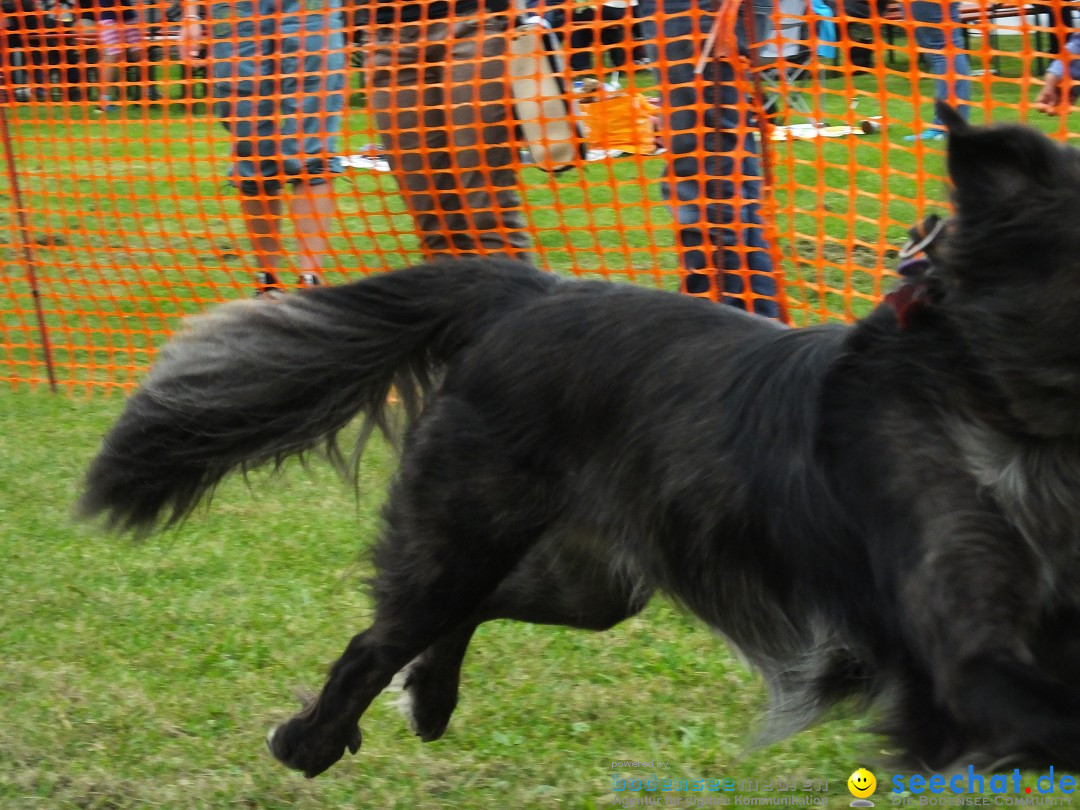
(29, 261)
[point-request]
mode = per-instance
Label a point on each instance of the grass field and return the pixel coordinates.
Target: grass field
(138, 676)
(146, 675)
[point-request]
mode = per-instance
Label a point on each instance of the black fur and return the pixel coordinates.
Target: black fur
(888, 511)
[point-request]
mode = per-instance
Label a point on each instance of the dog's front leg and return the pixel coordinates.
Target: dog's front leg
(459, 519)
(972, 608)
(970, 594)
(318, 736)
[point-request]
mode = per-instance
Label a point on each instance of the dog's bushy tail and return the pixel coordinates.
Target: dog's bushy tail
(256, 381)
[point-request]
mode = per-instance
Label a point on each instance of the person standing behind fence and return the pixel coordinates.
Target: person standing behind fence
(279, 84)
(21, 54)
(857, 36)
(44, 29)
(1050, 98)
(439, 93)
(716, 202)
(119, 39)
(930, 37)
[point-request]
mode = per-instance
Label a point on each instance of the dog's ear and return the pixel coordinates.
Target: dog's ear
(994, 167)
(948, 115)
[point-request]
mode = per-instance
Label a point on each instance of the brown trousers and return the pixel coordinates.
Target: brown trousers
(440, 98)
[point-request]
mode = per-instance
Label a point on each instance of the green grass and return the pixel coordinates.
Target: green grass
(138, 676)
(146, 675)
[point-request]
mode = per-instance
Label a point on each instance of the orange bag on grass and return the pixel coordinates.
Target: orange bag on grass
(621, 123)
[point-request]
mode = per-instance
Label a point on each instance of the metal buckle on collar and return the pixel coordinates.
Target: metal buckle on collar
(916, 267)
(924, 236)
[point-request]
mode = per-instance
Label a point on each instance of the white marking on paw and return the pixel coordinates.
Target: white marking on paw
(403, 700)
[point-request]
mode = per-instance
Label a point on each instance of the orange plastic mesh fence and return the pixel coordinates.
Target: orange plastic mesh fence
(363, 141)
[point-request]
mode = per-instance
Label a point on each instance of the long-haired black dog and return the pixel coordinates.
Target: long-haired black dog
(889, 510)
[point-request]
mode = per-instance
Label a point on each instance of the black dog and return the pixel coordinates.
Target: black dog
(889, 510)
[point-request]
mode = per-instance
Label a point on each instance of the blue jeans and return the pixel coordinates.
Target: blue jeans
(707, 223)
(931, 40)
(279, 80)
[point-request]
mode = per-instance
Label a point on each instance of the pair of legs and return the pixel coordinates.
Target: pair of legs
(439, 96)
(477, 551)
(714, 182)
(309, 207)
(121, 44)
(952, 86)
(22, 64)
(857, 36)
(279, 81)
(474, 534)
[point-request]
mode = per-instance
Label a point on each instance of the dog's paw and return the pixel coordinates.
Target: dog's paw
(299, 745)
(428, 702)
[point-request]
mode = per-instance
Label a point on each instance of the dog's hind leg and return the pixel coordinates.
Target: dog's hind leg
(430, 688)
(459, 519)
(557, 583)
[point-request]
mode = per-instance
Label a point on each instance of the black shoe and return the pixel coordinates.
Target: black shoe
(311, 279)
(268, 286)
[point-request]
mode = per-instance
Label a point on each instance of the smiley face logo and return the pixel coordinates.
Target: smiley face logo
(862, 783)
